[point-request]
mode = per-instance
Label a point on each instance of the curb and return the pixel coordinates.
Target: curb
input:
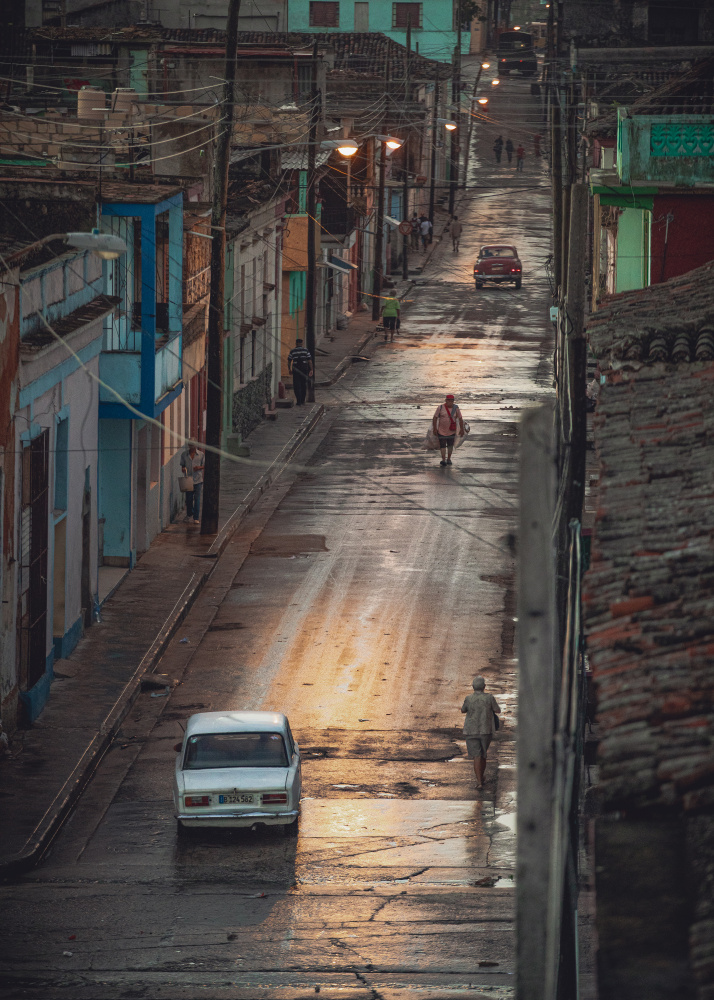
(70, 792)
(347, 362)
(65, 800)
(266, 480)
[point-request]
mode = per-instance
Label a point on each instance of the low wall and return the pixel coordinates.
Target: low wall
(249, 400)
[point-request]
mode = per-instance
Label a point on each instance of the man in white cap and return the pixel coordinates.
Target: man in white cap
(480, 710)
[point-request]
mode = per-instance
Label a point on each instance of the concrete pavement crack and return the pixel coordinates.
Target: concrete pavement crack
(374, 994)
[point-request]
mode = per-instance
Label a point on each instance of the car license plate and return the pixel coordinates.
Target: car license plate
(497, 267)
(236, 799)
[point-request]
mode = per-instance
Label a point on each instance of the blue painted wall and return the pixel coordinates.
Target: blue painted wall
(115, 486)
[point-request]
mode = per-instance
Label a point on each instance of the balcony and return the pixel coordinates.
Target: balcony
(142, 351)
(337, 223)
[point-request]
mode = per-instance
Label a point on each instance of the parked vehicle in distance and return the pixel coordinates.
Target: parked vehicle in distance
(498, 262)
(515, 53)
(237, 769)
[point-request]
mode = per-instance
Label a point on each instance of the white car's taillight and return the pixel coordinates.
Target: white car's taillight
(191, 801)
(274, 798)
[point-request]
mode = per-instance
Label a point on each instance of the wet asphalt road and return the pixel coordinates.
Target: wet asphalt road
(361, 597)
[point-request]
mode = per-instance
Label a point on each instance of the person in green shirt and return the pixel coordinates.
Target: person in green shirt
(390, 316)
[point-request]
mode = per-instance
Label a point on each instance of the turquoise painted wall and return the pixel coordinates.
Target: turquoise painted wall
(114, 486)
(632, 249)
(436, 38)
(670, 149)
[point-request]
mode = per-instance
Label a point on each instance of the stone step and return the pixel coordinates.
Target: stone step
(284, 404)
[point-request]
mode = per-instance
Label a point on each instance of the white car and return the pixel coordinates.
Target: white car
(237, 769)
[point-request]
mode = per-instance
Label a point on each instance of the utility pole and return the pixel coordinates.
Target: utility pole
(470, 129)
(454, 145)
(579, 204)
(434, 115)
(214, 361)
(379, 236)
(311, 210)
(405, 197)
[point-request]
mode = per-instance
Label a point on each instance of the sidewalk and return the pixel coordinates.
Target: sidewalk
(51, 762)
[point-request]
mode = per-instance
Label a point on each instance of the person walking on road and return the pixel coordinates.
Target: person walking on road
(425, 230)
(520, 156)
(416, 224)
(444, 424)
(498, 148)
(479, 725)
(536, 143)
(300, 367)
(509, 150)
(456, 231)
(192, 463)
(391, 315)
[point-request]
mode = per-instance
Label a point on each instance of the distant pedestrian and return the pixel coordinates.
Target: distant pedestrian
(520, 156)
(390, 317)
(509, 149)
(536, 143)
(300, 367)
(425, 232)
(415, 231)
(456, 231)
(192, 464)
(498, 148)
(445, 423)
(479, 725)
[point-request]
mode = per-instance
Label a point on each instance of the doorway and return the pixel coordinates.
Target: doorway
(361, 17)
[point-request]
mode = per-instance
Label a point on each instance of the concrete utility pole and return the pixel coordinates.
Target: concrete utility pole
(405, 197)
(310, 278)
(434, 115)
(214, 361)
(575, 311)
(536, 689)
(379, 236)
(455, 139)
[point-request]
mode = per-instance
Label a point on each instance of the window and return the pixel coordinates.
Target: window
(324, 15)
(61, 464)
(235, 750)
(402, 13)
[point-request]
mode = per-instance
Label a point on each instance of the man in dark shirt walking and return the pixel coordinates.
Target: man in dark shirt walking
(300, 367)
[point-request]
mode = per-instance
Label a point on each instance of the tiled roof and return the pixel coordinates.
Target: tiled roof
(144, 194)
(690, 93)
(672, 321)
(649, 592)
(364, 52)
(86, 314)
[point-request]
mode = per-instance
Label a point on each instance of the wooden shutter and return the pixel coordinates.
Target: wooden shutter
(324, 14)
(401, 13)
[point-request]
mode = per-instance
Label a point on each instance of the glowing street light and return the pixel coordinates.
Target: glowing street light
(345, 147)
(485, 65)
(495, 83)
(483, 101)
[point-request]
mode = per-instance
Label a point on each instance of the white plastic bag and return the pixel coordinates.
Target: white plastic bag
(431, 441)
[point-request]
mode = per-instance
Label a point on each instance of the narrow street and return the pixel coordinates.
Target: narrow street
(360, 597)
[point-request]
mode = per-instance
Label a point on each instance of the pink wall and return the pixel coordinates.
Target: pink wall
(690, 238)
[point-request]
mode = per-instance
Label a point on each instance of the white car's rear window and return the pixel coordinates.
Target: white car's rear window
(235, 750)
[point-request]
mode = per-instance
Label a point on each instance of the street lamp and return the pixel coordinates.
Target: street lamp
(495, 83)
(447, 123)
(345, 147)
(105, 245)
(485, 65)
(483, 101)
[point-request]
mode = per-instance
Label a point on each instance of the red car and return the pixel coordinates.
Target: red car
(498, 262)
